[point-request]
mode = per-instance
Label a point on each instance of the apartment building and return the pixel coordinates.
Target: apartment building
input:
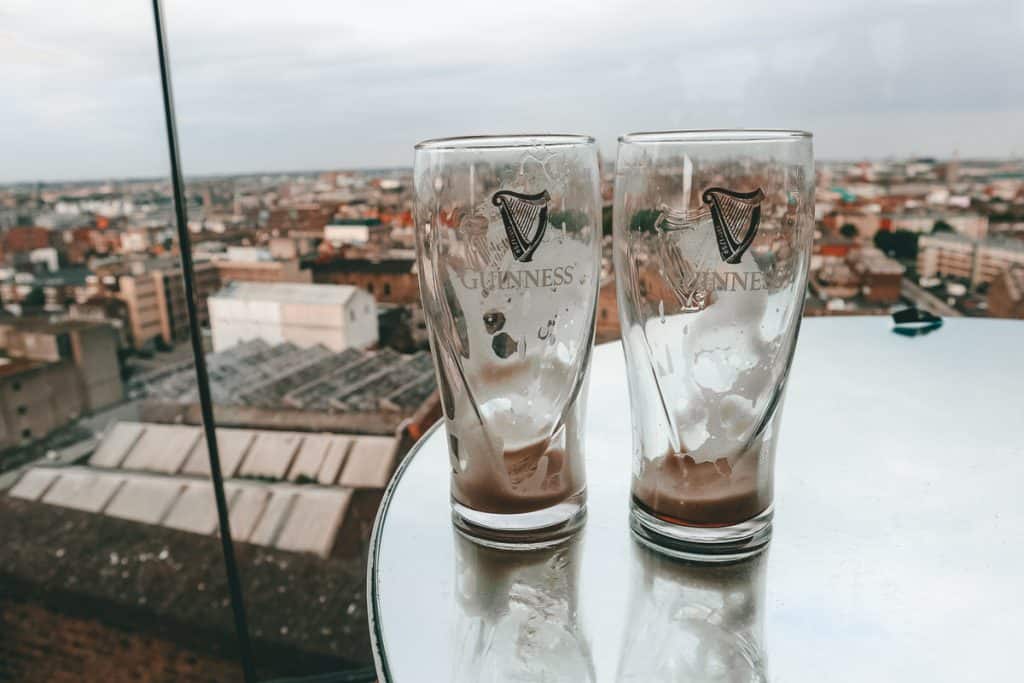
(975, 260)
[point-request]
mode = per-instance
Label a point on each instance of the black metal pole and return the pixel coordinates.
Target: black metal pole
(202, 378)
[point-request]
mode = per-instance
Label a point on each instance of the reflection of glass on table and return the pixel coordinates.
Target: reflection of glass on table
(517, 615)
(694, 622)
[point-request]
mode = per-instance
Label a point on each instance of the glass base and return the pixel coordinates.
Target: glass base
(701, 543)
(525, 531)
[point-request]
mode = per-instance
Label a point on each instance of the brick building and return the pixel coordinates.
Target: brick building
(881, 277)
(1006, 294)
(390, 280)
(300, 218)
(24, 239)
(262, 271)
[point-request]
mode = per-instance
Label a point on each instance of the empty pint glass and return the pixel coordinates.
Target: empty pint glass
(508, 235)
(712, 238)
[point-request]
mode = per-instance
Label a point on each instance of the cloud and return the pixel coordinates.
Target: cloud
(266, 85)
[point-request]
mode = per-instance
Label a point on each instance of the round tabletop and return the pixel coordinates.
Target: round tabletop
(896, 553)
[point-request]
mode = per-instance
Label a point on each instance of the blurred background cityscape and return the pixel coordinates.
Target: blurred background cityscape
(321, 377)
(308, 300)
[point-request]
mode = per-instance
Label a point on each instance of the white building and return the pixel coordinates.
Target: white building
(248, 254)
(337, 316)
(47, 256)
(338, 235)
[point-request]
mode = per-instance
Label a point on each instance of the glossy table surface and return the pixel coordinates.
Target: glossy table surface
(898, 548)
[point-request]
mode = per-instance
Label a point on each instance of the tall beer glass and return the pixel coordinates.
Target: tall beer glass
(713, 232)
(508, 238)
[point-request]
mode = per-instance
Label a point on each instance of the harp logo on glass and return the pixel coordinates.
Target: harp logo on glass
(526, 218)
(736, 216)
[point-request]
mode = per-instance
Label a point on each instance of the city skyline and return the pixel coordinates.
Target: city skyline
(312, 172)
(260, 90)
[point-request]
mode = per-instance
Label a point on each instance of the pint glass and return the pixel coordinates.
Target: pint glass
(712, 234)
(508, 238)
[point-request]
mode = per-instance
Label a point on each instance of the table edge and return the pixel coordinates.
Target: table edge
(372, 606)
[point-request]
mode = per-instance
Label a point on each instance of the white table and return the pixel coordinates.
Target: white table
(898, 548)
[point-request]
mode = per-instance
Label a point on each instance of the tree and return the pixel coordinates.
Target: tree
(34, 299)
(572, 220)
(849, 230)
(901, 244)
(644, 220)
(883, 240)
(942, 226)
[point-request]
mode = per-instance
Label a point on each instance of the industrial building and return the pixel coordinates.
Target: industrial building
(55, 372)
(337, 317)
(283, 386)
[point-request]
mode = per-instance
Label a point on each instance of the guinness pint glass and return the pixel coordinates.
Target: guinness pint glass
(508, 234)
(712, 237)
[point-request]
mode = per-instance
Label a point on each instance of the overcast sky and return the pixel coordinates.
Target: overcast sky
(326, 84)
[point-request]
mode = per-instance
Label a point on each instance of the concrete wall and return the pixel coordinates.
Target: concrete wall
(233, 321)
(94, 350)
(360, 325)
(36, 402)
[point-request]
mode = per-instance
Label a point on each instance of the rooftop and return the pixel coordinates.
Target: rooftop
(74, 276)
(47, 326)
(285, 376)
(161, 580)
(287, 292)
(288, 490)
(11, 367)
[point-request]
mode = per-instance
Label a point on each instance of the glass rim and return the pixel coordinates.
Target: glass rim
(509, 141)
(714, 135)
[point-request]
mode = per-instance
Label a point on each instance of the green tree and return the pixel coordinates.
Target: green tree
(849, 230)
(883, 240)
(942, 226)
(901, 244)
(34, 299)
(573, 220)
(644, 220)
